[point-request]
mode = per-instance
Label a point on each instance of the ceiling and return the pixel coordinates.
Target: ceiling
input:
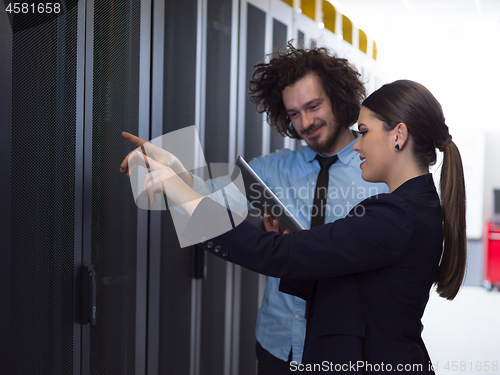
(377, 16)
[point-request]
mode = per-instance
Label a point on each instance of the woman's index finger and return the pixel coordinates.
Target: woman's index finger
(134, 139)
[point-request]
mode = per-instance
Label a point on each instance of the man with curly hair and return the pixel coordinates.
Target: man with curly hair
(315, 96)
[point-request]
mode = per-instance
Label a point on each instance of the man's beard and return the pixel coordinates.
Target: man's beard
(324, 146)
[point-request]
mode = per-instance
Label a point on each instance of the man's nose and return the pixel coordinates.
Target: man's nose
(355, 146)
(307, 120)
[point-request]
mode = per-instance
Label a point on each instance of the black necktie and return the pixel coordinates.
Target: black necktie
(321, 192)
(319, 203)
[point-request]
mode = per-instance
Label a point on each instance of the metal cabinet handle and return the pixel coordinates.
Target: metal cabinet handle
(89, 294)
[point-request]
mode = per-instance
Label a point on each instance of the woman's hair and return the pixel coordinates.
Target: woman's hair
(411, 103)
(339, 79)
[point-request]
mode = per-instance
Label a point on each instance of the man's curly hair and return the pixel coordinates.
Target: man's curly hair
(340, 81)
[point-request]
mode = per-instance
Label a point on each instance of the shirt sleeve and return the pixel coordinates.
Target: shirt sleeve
(200, 186)
(373, 235)
(260, 165)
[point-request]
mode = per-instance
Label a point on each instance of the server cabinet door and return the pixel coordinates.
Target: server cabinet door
(115, 230)
(218, 102)
(254, 140)
(41, 196)
(194, 83)
(174, 293)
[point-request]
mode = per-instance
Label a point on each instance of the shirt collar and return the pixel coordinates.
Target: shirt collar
(346, 155)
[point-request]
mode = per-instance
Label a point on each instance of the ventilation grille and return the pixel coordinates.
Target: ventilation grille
(43, 194)
(114, 214)
(179, 108)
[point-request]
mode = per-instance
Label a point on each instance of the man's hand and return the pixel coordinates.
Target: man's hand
(273, 226)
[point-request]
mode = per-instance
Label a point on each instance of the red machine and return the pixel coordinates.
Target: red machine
(492, 255)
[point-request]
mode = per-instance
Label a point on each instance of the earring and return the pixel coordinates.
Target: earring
(396, 147)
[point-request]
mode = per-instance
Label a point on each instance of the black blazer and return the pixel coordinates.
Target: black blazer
(366, 277)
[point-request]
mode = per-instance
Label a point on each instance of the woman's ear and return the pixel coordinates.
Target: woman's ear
(401, 135)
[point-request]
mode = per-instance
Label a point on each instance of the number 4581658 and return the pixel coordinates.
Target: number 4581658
(472, 366)
(39, 8)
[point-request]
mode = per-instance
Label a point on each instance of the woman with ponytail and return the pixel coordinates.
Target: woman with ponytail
(411, 104)
(366, 277)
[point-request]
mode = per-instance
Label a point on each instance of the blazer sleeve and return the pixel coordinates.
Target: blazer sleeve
(373, 235)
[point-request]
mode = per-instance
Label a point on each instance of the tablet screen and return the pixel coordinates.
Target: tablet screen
(263, 199)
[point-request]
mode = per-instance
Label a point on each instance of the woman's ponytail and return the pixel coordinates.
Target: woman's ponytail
(453, 261)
